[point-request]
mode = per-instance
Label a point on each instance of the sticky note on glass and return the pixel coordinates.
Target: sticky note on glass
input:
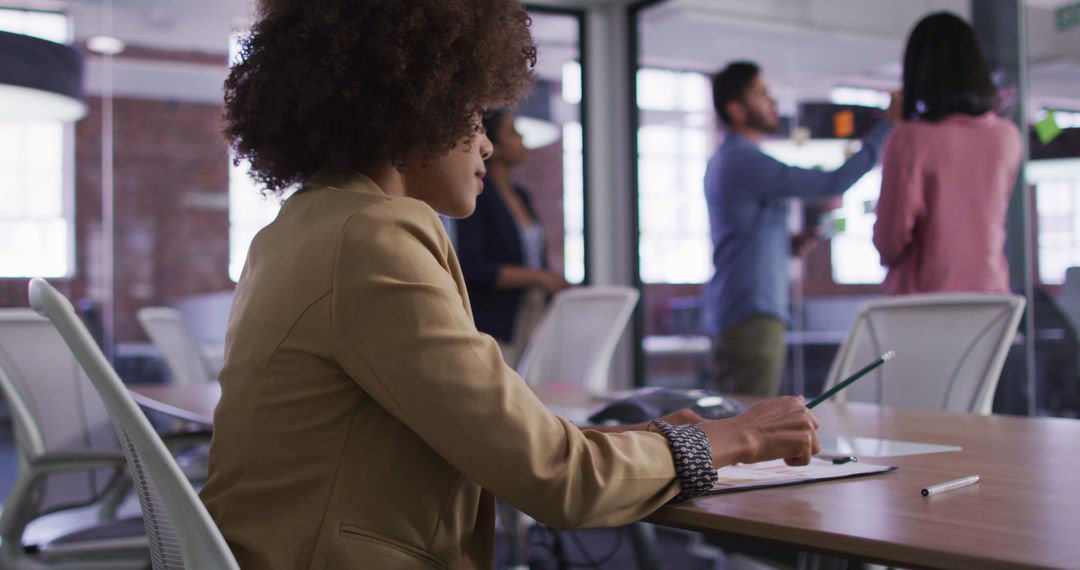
(1047, 129)
(843, 124)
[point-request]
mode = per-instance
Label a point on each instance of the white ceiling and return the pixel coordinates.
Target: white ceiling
(806, 47)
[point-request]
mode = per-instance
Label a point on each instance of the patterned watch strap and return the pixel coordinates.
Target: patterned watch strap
(693, 459)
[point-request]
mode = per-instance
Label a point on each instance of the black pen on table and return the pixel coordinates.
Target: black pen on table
(846, 382)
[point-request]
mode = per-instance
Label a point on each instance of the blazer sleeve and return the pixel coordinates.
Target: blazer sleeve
(901, 203)
(403, 333)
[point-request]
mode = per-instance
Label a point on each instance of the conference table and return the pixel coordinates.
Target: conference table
(1025, 512)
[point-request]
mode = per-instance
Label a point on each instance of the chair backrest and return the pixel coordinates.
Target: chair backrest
(950, 348)
(576, 337)
(183, 354)
(207, 315)
(180, 531)
(54, 409)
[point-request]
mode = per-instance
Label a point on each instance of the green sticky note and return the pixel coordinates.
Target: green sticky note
(1067, 16)
(1047, 129)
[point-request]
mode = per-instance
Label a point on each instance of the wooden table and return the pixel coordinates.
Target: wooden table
(1024, 513)
(189, 403)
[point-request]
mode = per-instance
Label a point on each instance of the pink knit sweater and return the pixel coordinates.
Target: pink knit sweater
(944, 195)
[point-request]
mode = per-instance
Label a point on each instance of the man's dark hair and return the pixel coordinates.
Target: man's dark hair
(944, 71)
(731, 84)
(344, 85)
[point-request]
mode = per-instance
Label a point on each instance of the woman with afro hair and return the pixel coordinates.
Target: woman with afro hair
(364, 422)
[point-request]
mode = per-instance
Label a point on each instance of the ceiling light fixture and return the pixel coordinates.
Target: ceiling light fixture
(39, 80)
(105, 45)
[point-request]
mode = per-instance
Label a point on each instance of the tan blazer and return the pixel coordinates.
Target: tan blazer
(365, 423)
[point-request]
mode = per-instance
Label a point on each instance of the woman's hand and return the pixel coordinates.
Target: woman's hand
(804, 242)
(895, 114)
(777, 428)
(551, 282)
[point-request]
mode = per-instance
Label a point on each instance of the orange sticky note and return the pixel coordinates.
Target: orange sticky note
(844, 124)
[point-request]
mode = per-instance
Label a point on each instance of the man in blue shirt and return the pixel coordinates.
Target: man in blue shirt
(747, 191)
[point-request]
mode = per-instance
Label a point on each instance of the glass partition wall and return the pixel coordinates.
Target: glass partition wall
(1050, 103)
(831, 66)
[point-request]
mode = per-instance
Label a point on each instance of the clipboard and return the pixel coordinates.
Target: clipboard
(776, 473)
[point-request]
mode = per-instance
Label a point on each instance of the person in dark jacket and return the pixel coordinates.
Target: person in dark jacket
(501, 247)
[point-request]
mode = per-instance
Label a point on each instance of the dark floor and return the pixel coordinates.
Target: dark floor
(603, 549)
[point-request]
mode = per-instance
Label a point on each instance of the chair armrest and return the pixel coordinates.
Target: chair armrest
(18, 509)
(76, 461)
(190, 437)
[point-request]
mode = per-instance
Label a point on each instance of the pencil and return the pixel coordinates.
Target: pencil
(844, 384)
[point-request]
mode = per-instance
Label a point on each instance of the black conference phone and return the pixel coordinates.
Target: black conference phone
(648, 404)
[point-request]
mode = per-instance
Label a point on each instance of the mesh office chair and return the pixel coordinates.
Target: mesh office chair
(183, 354)
(187, 366)
(950, 348)
(180, 531)
(577, 335)
(68, 457)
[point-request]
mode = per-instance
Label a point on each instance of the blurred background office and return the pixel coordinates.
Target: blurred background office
(829, 64)
(131, 200)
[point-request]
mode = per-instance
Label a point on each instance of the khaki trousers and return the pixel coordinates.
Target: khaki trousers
(748, 357)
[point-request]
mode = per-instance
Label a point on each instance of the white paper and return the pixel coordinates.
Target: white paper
(776, 473)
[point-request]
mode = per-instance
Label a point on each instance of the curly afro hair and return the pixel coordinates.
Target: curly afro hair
(343, 85)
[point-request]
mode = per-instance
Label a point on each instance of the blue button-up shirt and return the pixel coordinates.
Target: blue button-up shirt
(747, 193)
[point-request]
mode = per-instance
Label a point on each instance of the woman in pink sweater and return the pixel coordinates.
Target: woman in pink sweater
(948, 171)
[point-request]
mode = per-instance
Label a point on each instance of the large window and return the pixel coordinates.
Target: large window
(249, 209)
(1057, 196)
(854, 258)
(249, 212)
(35, 206)
(675, 139)
(573, 202)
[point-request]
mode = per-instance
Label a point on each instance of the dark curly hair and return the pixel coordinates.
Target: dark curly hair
(343, 85)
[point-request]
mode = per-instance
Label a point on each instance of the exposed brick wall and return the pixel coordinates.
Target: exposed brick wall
(172, 187)
(656, 302)
(13, 292)
(171, 192)
(542, 178)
